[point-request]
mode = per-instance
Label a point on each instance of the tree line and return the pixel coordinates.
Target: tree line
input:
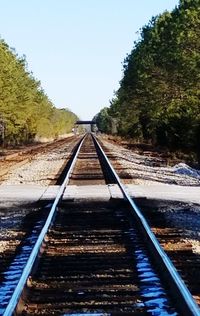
(25, 110)
(158, 100)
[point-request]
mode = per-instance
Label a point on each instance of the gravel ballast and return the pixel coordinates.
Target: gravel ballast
(43, 169)
(144, 169)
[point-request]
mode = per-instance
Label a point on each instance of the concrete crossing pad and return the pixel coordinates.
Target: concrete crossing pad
(167, 192)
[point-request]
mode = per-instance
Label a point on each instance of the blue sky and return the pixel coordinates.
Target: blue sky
(76, 47)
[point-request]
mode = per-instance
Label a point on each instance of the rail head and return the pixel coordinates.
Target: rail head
(186, 303)
(10, 309)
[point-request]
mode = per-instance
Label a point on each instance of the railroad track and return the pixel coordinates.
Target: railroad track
(176, 242)
(96, 258)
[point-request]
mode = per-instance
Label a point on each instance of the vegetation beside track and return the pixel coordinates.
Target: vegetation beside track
(158, 99)
(26, 112)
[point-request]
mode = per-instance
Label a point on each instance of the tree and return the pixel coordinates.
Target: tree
(159, 96)
(25, 109)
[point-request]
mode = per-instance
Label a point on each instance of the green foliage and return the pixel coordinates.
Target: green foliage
(25, 109)
(158, 99)
(105, 122)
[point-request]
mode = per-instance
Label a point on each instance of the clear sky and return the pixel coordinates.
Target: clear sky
(76, 47)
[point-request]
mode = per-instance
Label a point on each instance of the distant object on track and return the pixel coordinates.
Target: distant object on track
(85, 122)
(90, 126)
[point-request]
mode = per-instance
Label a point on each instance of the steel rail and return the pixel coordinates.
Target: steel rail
(185, 302)
(10, 309)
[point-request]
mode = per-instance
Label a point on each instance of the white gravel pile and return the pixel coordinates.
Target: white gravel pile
(142, 168)
(184, 169)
